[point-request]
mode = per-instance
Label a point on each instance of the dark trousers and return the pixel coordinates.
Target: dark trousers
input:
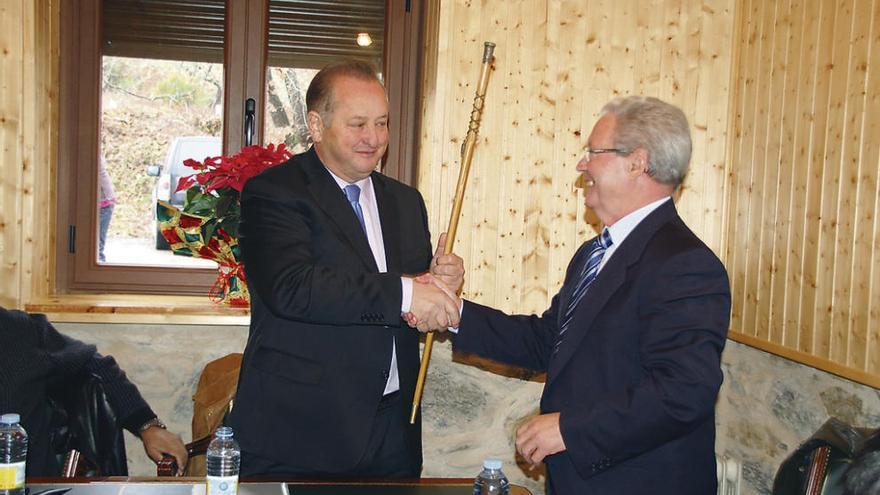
(387, 455)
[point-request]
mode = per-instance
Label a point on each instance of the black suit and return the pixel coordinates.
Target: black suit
(323, 318)
(636, 377)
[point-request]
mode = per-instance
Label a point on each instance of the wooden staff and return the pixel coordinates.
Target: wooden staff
(467, 153)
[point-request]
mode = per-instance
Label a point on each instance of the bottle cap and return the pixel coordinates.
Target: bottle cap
(10, 418)
(492, 464)
(223, 432)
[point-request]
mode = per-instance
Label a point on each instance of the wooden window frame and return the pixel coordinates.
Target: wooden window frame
(79, 122)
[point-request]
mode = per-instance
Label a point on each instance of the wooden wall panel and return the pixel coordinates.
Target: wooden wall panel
(11, 88)
(557, 63)
(802, 232)
(28, 55)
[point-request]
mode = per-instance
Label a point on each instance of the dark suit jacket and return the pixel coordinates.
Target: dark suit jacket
(637, 375)
(323, 318)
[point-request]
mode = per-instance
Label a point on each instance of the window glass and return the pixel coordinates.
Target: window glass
(161, 103)
(147, 84)
(302, 39)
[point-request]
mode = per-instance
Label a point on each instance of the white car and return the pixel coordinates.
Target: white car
(182, 148)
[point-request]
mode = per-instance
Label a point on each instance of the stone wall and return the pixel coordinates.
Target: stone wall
(769, 405)
(472, 408)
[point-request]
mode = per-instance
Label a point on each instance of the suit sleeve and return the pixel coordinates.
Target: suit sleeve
(277, 245)
(685, 320)
(525, 341)
(68, 356)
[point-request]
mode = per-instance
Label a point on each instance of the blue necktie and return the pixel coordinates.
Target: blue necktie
(588, 274)
(353, 193)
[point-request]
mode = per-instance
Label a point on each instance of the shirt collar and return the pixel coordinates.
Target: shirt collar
(366, 184)
(623, 227)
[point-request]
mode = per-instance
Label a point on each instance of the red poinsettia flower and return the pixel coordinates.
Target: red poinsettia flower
(233, 171)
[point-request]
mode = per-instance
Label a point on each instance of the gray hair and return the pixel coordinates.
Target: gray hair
(659, 128)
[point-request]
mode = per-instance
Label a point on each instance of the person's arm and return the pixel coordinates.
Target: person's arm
(134, 414)
(70, 355)
(525, 341)
(685, 324)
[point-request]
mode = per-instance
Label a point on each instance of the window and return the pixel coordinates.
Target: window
(146, 84)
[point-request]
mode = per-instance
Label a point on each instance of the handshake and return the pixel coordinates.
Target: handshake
(435, 303)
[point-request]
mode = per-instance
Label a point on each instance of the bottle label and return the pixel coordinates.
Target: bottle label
(12, 476)
(222, 485)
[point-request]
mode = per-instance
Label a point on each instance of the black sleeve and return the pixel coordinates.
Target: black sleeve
(69, 356)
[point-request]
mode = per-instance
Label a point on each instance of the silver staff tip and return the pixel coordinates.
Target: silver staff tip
(488, 48)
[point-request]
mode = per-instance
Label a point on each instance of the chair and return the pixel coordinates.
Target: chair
(84, 430)
(212, 401)
(822, 464)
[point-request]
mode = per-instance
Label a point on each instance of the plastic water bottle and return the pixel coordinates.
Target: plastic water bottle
(13, 454)
(491, 480)
(224, 461)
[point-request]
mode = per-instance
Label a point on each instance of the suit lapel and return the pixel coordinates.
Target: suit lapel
(610, 278)
(388, 219)
(330, 198)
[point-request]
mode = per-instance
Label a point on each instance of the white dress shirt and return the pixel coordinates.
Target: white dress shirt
(370, 209)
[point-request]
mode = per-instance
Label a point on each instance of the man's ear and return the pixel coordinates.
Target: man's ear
(316, 125)
(638, 163)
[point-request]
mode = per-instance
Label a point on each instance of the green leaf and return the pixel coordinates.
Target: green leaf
(202, 204)
(221, 208)
(208, 229)
(230, 225)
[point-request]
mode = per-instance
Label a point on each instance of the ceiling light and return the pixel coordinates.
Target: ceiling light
(364, 39)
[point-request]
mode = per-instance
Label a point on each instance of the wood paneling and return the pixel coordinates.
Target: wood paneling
(28, 49)
(11, 39)
(805, 157)
(557, 63)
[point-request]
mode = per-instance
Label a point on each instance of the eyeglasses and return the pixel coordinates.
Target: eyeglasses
(591, 152)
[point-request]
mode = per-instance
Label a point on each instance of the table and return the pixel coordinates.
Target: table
(196, 486)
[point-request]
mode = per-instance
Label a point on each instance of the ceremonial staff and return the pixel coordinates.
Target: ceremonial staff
(467, 153)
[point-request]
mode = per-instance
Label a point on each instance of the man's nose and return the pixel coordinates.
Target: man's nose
(582, 164)
(371, 135)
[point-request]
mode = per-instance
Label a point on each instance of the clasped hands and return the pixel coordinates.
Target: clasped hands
(435, 302)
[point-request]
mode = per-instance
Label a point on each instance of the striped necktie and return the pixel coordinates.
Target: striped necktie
(353, 193)
(588, 274)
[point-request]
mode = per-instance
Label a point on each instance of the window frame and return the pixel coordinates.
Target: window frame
(79, 121)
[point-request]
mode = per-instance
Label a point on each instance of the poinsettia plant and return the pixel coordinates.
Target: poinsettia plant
(208, 225)
(214, 191)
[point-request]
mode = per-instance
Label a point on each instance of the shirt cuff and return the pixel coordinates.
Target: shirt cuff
(460, 311)
(406, 289)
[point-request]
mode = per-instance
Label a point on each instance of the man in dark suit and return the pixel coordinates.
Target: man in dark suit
(632, 342)
(329, 245)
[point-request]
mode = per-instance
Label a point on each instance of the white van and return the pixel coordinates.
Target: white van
(182, 148)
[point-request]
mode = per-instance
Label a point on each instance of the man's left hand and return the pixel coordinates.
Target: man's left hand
(448, 268)
(539, 438)
(159, 441)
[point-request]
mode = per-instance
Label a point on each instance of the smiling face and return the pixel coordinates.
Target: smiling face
(354, 139)
(609, 177)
